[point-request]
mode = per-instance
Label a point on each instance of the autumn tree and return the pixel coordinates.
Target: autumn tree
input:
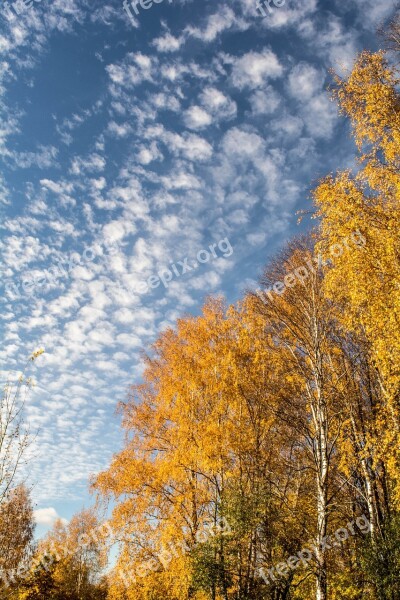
(304, 335)
(16, 517)
(16, 537)
(14, 436)
(391, 33)
(40, 583)
(200, 450)
(366, 284)
(75, 555)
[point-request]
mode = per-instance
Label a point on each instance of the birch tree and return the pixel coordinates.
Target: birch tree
(301, 325)
(14, 435)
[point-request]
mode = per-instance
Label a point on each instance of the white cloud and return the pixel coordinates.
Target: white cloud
(241, 143)
(181, 181)
(119, 130)
(197, 118)
(291, 14)
(168, 43)
(320, 116)
(99, 184)
(47, 516)
(62, 189)
(190, 145)
(255, 68)
(289, 125)
(93, 163)
(165, 102)
(148, 154)
(133, 70)
(18, 252)
(373, 12)
(218, 103)
(116, 230)
(335, 43)
(265, 102)
(305, 81)
(217, 23)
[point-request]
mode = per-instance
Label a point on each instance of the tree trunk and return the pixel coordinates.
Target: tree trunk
(322, 494)
(370, 489)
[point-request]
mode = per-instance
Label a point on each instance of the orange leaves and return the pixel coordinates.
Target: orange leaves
(191, 427)
(366, 285)
(368, 96)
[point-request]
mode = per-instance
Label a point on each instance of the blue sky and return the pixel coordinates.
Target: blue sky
(127, 148)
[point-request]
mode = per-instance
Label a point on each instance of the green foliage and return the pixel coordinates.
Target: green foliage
(381, 561)
(41, 584)
(208, 572)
